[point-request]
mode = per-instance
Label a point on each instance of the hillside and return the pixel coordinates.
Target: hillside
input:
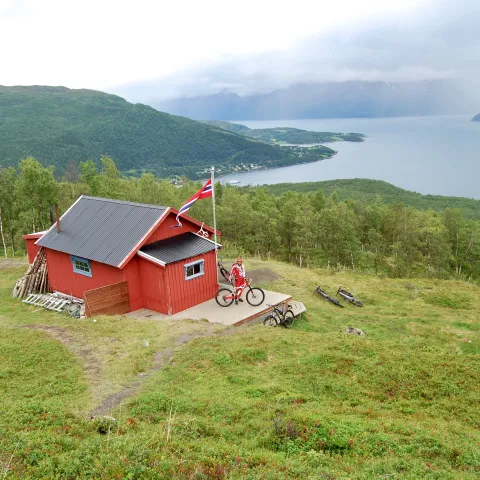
(367, 190)
(476, 118)
(283, 135)
(192, 400)
(57, 125)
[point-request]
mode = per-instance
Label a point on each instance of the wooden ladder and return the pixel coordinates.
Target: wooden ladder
(46, 301)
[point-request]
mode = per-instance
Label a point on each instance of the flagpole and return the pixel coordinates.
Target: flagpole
(214, 221)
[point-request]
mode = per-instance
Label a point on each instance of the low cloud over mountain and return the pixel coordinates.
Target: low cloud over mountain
(435, 41)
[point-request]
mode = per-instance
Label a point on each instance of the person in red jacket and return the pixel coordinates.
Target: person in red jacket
(237, 276)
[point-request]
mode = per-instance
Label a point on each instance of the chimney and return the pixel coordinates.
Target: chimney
(52, 220)
(57, 216)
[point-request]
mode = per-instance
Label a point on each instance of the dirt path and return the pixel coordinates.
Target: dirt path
(93, 364)
(161, 359)
(263, 275)
(13, 262)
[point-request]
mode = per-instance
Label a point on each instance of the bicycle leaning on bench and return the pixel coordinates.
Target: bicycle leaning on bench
(278, 317)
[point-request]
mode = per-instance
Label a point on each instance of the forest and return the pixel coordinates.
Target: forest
(62, 127)
(309, 229)
(367, 190)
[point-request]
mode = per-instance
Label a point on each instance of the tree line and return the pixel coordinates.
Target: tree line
(309, 229)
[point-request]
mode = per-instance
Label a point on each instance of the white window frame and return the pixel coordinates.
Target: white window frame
(191, 264)
(87, 273)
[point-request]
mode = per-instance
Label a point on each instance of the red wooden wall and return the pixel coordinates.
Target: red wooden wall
(152, 285)
(165, 290)
(62, 277)
(169, 229)
(32, 249)
(187, 293)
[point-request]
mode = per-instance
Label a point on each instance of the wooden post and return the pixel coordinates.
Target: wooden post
(1, 233)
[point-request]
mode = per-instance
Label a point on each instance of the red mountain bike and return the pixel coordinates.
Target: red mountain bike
(226, 296)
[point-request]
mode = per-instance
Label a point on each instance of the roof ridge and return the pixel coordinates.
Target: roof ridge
(126, 202)
(174, 238)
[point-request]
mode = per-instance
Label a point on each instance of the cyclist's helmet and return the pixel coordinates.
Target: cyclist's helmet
(239, 260)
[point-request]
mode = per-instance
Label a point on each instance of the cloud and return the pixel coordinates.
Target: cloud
(93, 44)
(434, 41)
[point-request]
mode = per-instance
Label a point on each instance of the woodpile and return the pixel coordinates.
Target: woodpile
(36, 278)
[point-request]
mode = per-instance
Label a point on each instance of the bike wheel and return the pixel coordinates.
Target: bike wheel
(335, 301)
(270, 321)
(328, 297)
(356, 302)
(343, 292)
(255, 296)
(288, 319)
(224, 297)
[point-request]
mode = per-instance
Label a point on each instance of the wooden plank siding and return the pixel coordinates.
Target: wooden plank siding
(63, 278)
(152, 285)
(187, 293)
(169, 229)
(109, 300)
(32, 249)
(165, 289)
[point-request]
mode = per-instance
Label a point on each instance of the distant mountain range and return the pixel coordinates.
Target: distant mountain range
(57, 126)
(329, 100)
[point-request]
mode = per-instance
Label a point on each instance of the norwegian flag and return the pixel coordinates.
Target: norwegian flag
(204, 192)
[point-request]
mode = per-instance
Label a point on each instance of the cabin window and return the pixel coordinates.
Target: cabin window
(81, 266)
(193, 270)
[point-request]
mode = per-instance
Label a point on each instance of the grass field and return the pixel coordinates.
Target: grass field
(196, 401)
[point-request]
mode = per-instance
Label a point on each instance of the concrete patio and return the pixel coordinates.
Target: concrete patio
(234, 315)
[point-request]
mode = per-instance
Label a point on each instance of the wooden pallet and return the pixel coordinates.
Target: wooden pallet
(109, 300)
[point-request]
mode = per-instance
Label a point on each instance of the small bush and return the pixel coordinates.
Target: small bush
(448, 300)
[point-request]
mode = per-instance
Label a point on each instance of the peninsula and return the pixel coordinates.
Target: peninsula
(286, 135)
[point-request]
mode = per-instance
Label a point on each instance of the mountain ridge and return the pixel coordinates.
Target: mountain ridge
(353, 99)
(58, 125)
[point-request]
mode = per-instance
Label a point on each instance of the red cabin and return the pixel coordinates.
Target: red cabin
(32, 247)
(100, 242)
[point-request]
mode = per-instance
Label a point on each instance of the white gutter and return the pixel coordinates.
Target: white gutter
(148, 257)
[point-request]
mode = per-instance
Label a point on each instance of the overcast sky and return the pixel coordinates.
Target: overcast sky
(158, 48)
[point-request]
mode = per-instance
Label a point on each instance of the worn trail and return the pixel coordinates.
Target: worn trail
(161, 359)
(93, 364)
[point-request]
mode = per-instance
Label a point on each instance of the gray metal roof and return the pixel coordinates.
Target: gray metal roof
(178, 248)
(102, 229)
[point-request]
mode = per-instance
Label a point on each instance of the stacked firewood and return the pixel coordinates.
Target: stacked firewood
(36, 278)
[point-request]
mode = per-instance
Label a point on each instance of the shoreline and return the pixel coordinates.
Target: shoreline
(273, 168)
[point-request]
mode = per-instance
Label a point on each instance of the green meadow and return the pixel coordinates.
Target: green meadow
(198, 401)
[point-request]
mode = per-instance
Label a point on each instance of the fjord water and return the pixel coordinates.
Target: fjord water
(430, 155)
